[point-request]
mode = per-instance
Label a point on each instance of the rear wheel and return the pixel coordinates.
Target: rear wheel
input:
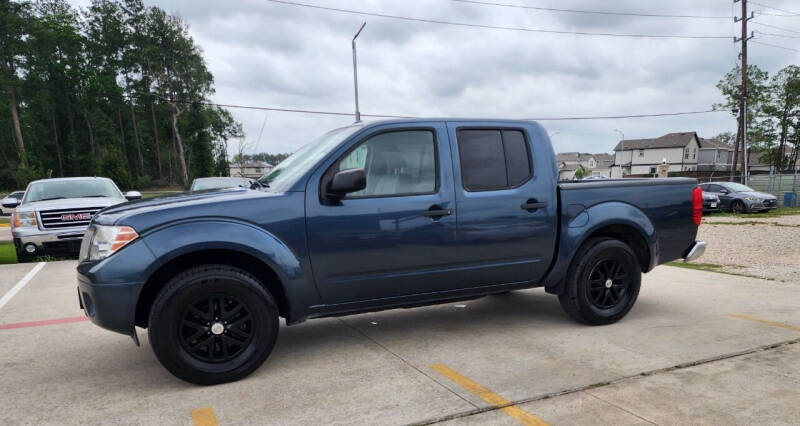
(213, 324)
(602, 283)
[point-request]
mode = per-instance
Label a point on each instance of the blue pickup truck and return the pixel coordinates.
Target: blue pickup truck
(376, 216)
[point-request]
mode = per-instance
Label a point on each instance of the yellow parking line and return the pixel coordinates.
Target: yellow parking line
(5, 225)
(492, 398)
(204, 417)
(759, 320)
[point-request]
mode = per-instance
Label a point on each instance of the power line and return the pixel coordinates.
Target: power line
(775, 35)
(346, 114)
(775, 27)
(593, 12)
(775, 46)
(775, 8)
(464, 24)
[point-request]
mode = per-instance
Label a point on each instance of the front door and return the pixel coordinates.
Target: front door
(506, 203)
(396, 237)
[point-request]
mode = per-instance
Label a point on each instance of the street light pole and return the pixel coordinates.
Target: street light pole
(355, 71)
(622, 148)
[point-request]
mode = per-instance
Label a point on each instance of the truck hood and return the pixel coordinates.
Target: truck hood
(143, 214)
(69, 203)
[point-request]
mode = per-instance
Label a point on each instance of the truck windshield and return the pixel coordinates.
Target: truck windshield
(72, 188)
(296, 165)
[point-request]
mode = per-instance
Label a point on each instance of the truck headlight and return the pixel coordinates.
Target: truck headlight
(24, 220)
(100, 241)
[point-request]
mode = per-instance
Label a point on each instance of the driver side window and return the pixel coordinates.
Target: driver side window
(396, 163)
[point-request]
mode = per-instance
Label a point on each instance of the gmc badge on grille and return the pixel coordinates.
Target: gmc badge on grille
(77, 216)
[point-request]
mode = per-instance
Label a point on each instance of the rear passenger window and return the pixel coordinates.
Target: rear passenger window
(493, 159)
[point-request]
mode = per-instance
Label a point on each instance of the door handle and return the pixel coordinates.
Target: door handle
(437, 212)
(532, 204)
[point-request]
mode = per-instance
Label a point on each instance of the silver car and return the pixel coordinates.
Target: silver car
(54, 213)
(14, 197)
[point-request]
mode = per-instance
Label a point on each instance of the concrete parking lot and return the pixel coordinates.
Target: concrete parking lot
(699, 348)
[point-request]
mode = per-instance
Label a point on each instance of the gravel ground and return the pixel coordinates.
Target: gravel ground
(769, 250)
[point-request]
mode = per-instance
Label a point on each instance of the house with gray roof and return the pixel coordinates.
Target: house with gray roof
(642, 156)
(714, 156)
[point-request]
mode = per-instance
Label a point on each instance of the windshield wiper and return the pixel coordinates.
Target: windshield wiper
(52, 198)
(95, 196)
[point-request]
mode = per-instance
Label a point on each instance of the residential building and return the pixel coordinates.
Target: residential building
(714, 156)
(642, 156)
(250, 169)
(593, 164)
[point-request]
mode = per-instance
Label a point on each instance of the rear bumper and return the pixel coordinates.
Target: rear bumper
(109, 306)
(695, 251)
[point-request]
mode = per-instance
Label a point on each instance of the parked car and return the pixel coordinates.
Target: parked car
(54, 213)
(200, 184)
(738, 198)
(376, 216)
(710, 202)
(10, 199)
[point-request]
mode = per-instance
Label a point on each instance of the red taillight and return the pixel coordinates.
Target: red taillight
(697, 205)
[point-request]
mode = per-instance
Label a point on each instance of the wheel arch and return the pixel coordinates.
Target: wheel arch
(618, 220)
(252, 265)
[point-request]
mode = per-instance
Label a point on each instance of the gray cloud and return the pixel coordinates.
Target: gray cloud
(262, 53)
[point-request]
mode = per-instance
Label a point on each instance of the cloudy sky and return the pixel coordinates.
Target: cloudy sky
(264, 53)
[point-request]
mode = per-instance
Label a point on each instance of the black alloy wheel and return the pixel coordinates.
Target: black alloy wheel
(213, 324)
(608, 284)
(737, 206)
(602, 282)
(216, 328)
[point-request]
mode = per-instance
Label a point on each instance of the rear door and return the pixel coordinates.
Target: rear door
(506, 203)
(397, 236)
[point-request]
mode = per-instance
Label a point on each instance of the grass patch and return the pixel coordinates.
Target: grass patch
(7, 254)
(146, 195)
(711, 267)
(780, 211)
(5, 219)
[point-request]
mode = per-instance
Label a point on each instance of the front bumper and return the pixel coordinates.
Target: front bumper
(57, 241)
(695, 251)
(109, 306)
(761, 205)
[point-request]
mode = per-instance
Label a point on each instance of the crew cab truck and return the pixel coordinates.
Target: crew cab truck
(370, 217)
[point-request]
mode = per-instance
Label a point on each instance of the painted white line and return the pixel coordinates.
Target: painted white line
(14, 290)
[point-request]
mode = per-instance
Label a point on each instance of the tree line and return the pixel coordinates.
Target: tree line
(773, 112)
(116, 89)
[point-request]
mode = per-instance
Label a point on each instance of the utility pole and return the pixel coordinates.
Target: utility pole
(355, 71)
(743, 100)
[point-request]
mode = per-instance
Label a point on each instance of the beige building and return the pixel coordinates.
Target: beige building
(250, 169)
(642, 156)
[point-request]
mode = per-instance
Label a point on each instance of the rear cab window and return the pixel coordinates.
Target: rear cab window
(493, 159)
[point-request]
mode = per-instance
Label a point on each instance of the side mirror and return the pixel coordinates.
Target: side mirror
(11, 204)
(345, 182)
(724, 191)
(133, 195)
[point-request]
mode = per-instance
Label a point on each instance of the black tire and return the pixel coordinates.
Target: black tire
(186, 327)
(587, 297)
(23, 257)
(738, 207)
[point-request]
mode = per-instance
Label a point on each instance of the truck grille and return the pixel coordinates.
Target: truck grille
(68, 218)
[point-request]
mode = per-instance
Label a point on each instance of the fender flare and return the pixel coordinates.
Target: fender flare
(586, 224)
(178, 239)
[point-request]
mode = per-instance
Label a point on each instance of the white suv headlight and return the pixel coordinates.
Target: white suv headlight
(24, 220)
(100, 241)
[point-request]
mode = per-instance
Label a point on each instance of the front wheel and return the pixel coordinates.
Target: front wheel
(602, 283)
(737, 207)
(213, 324)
